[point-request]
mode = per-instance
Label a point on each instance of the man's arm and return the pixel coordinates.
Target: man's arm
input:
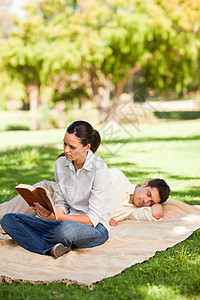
(113, 222)
(145, 213)
(157, 211)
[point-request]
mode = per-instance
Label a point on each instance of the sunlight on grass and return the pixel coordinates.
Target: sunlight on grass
(30, 158)
(12, 139)
(161, 292)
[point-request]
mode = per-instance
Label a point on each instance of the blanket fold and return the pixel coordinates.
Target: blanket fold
(130, 242)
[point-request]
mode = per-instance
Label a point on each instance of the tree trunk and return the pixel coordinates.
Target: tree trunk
(119, 90)
(102, 103)
(105, 111)
(33, 95)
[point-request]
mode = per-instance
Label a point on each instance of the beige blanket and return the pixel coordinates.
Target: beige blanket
(131, 242)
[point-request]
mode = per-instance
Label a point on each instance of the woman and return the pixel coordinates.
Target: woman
(82, 182)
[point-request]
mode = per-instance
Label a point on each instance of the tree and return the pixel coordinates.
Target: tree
(92, 49)
(174, 44)
(108, 50)
(6, 20)
(118, 39)
(33, 55)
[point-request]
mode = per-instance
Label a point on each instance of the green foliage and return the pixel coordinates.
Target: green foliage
(178, 115)
(16, 127)
(173, 41)
(9, 89)
(84, 47)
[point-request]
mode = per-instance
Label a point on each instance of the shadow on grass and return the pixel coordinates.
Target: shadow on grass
(192, 192)
(177, 115)
(25, 165)
(17, 127)
(174, 273)
(151, 139)
(178, 177)
(16, 168)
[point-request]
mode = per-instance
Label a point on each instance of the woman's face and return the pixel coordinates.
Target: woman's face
(73, 148)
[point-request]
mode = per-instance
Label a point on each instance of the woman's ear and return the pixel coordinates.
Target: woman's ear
(87, 147)
(145, 184)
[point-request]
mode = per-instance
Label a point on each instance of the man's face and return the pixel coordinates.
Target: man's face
(146, 196)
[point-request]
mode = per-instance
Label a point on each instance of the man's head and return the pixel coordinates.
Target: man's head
(151, 192)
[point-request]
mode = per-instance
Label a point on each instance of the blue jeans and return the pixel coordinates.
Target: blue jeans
(38, 235)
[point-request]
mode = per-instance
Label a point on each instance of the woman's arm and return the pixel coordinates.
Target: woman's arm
(84, 219)
(60, 199)
(46, 214)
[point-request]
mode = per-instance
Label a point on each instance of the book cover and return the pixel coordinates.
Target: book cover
(36, 194)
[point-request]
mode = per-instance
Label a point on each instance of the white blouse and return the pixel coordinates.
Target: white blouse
(85, 191)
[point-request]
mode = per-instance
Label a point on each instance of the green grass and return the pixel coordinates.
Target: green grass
(14, 119)
(178, 115)
(169, 150)
(12, 139)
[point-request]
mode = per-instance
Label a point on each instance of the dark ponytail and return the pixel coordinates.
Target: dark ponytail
(96, 141)
(86, 133)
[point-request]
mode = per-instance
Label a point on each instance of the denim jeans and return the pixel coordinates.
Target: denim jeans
(38, 235)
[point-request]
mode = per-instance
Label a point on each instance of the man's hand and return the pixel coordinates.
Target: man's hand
(44, 213)
(157, 211)
(113, 222)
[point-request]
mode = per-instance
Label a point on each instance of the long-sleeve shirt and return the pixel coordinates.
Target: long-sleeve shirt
(119, 194)
(85, 191)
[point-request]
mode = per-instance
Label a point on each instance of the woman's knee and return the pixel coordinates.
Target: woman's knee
(68, 230)
(5, 221)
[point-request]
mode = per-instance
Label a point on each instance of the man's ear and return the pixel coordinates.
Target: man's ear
(145, 184)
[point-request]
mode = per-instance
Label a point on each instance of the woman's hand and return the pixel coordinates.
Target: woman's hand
(113, 222)
(44, 213)
(60, 212)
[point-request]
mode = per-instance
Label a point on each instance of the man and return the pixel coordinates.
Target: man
(127, 201)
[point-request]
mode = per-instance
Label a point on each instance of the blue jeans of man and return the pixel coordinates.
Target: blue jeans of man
(38, 235)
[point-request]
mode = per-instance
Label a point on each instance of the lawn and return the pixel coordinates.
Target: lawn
(169, 150)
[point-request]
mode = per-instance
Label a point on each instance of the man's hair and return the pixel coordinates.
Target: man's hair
(163, 188)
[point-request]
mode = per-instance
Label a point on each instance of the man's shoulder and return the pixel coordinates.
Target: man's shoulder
(117, 174)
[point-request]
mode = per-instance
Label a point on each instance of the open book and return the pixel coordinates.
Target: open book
(38, 194)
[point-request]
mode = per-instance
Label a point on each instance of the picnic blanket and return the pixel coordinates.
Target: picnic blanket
(130, 242)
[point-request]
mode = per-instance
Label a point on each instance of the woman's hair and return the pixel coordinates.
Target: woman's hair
(86, 133)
